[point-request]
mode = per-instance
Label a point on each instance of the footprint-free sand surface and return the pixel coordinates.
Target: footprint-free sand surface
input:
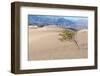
(44, 44)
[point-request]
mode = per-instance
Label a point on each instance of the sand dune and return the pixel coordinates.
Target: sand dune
(82, 39)
(44, 44)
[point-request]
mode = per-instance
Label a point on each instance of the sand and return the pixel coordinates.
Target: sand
(44, 44)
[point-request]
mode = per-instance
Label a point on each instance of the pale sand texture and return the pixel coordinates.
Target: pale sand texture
(44, 44)
(82, 39)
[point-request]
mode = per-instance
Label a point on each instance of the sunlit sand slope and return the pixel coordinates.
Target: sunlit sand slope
(44, 44)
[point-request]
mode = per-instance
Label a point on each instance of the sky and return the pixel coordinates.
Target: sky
(58, 20)
(75, 18)
(66, 17)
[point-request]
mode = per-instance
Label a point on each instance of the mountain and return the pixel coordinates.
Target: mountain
(81, 24)
(65, 22)
(57, 20)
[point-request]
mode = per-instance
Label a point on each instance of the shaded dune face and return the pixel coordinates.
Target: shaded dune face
(44, 44)
(82, 39)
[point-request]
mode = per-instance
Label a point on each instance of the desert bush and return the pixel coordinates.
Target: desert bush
(67, 34)
(40, 25)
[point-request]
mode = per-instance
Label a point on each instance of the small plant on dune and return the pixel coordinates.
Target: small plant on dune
(67, 34)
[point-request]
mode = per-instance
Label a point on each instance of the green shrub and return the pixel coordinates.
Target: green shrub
(67, 34)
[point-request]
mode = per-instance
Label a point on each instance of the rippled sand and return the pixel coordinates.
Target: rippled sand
(44, 44)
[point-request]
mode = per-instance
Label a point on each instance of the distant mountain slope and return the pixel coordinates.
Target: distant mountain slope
(58, 21)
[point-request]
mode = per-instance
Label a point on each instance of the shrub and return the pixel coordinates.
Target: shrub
(67, 34)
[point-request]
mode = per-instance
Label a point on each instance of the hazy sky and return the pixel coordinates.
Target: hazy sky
(66, 17)
(52, 19)
(75, 18)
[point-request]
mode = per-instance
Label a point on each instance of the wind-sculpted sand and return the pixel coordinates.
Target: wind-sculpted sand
(44, 44)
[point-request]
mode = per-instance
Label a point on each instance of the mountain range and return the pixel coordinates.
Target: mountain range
(74, 22)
